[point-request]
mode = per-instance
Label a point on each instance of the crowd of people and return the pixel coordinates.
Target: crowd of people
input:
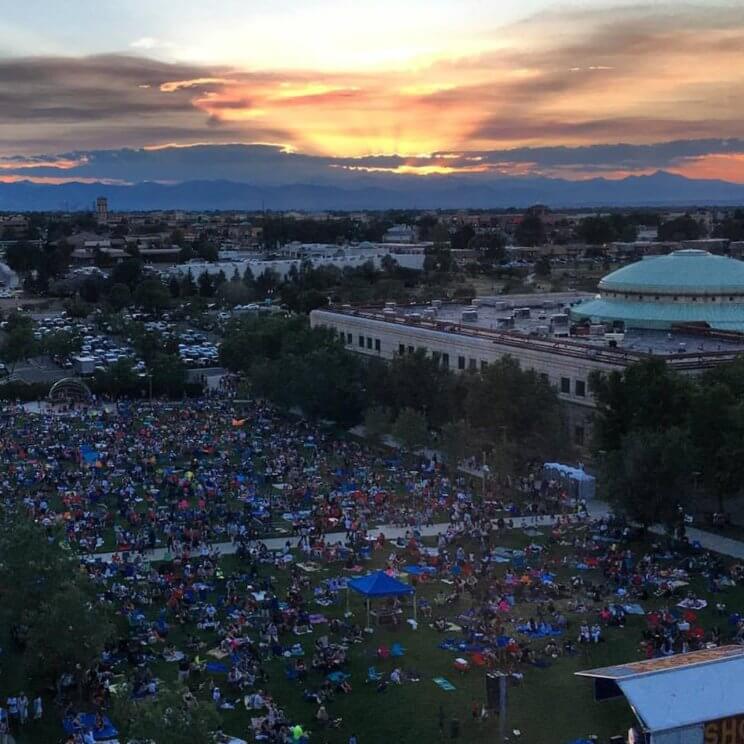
(188, 480)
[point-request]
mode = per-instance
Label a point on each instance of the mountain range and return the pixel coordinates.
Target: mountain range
(660, 189)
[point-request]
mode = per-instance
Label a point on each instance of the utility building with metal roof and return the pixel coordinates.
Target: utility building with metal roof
(695, 698)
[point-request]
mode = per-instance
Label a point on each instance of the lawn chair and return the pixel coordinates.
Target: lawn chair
(383, 652)
(373, 675)
(397, 650)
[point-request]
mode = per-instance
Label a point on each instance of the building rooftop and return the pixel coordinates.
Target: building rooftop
(681, 690)
(504, 319)
(684, 272)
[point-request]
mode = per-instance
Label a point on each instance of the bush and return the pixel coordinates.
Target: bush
(23, 391)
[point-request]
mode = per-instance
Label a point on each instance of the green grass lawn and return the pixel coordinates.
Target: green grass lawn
(551, 705)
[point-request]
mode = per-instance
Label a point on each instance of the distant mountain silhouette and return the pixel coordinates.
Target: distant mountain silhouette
(422, 192)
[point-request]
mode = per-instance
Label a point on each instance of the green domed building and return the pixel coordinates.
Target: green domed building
(659, 292)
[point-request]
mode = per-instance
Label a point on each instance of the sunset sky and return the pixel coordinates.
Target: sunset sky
(527, 87)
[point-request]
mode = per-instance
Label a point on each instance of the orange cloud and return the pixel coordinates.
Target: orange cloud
(639, 75)
(726, 167)
(56, 181)
(58, 163)
(634, 75)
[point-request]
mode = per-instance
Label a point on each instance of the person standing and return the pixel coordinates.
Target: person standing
(12, 704)
(38, 708)
(23, 709)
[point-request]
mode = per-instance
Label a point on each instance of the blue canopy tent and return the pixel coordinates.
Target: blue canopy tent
(580, 485)
(379, 584)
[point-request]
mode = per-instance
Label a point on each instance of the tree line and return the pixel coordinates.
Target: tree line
(508, 412)
(663, 440)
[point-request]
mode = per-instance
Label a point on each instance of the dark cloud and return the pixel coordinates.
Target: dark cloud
(272, 165)
(104, 99)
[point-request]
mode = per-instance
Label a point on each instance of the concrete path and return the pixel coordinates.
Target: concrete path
(597, 509)
(711, 541)
(390, 532)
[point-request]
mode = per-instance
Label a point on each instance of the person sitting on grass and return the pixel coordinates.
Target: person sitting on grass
(322, 716)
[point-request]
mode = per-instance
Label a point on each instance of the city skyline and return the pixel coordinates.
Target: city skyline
(535, 88)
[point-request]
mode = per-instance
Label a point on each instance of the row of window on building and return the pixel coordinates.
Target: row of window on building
(364, 342)
(463, 363)
(578, 388)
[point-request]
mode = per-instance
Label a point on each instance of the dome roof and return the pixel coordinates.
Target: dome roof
(686, 272)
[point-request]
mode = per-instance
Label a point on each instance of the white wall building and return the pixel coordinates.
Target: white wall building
(282, 266)
(533, 329)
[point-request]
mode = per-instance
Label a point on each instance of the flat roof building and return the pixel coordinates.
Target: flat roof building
(693, 698)
(538, 330)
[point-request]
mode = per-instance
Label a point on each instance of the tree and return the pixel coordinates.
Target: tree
(235, 293)
(598, 230)
(438, 259)
(128, 271)
(168, 374)
(33, 564)
(205, 284)
(462, 237)
(457, 442)
(731, 228)
(119, 379)
(188, 285)
(178, 238)
(152, 295)
(206, 251)
(325, 383)
(61, 344)
(542, 266)
(174, 287)
(648, 477)
(267, 282)
(410, 429)
(377, 422)
(146, 343)
(70, 630)
(414, 381)
(717, 431)
(19, 345)
(680, 228)
(165, 719)
(490, 246)
(76, 307)
(530, 231)
(186, 254)
(119, 296)
(44, 590)
(646, 396)
(22, 257)
(90, 289)
(515, 410)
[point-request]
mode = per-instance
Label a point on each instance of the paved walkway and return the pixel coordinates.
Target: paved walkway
(709, 540)
(390, 532)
